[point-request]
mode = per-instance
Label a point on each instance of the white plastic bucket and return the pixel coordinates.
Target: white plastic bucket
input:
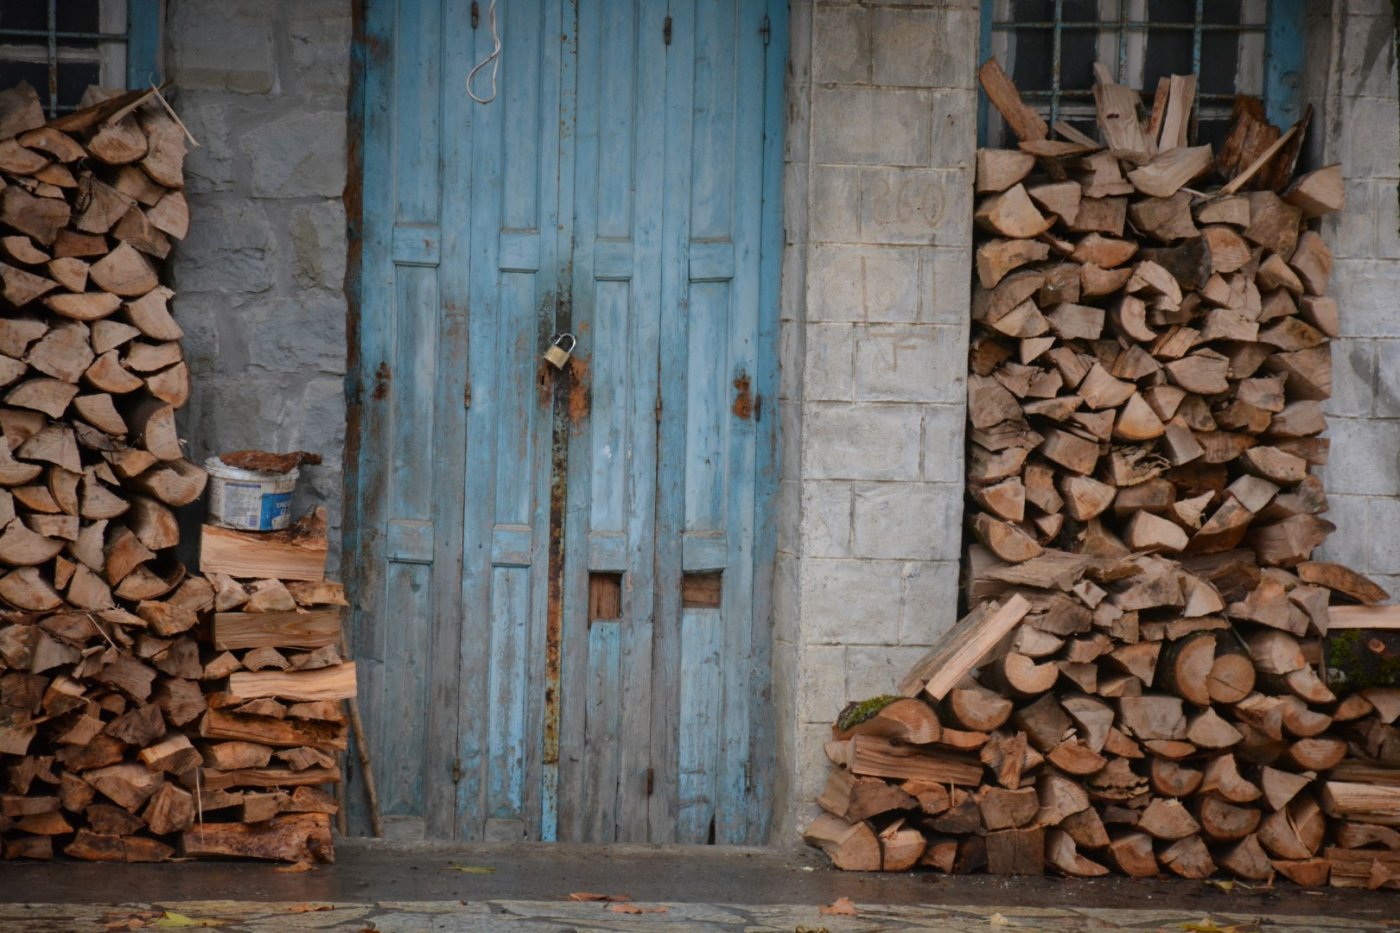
(249, 500)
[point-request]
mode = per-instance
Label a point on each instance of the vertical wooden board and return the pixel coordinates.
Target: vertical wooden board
(403, 737)
(707, 406)
(603, 707)
(450, 416)
(670, 472)
(762, 740)
(701, 706)
(735, 824)
(507, 694)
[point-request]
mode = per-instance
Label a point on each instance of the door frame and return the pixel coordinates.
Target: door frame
(363, 381)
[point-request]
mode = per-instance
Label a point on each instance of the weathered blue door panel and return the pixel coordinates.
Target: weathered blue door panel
(622, 184)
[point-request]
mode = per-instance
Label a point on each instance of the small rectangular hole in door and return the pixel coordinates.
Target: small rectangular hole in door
(702, 590)
(604, 597)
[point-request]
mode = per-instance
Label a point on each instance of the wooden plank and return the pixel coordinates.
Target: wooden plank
(701, 707)
(283, 555)
(600, 782)
(1001, 91)
(963, 647)
(237, 630)
(1387, 617)
(327, 683)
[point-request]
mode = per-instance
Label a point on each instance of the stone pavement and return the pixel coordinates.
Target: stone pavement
(398, 888)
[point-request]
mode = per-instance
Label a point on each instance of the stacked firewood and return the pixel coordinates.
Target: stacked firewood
(104, 660)
(1145, 395)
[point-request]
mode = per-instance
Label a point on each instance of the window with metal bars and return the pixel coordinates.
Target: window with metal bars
(62, 46)
(1049, 48)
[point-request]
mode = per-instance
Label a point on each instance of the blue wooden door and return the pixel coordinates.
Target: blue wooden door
(562, 576)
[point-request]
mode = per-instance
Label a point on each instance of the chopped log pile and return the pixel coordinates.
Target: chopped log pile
(127, 729)
(1136, 688)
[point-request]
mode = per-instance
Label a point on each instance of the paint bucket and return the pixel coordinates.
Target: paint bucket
(249, 500)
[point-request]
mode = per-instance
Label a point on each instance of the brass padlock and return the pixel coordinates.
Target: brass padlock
(561, 346)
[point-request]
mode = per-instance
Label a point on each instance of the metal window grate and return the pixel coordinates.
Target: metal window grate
(61, 48)
(1232, 46)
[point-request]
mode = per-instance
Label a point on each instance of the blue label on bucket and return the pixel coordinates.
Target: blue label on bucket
(276, 506)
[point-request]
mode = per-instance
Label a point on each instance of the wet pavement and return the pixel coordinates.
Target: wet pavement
(384, 886)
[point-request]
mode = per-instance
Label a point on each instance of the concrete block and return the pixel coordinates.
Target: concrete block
(790, 434)
(915, 206)
(871, 126)
(786, 607)
(211, 166)
(910, 363)
(791, 350)
(298, 155)
(1382, 538)
(924, 47)
(943, 443)
(826, 519)
(1350, 544)
(945, 296)
(821, 690)
(1351, 232)
(841, 50)
(931, 595)
(1365, 458)
(848, 602)
(1369, 155)
(876, 670)
(853, 283)
(871, 441)
(829, 361)
(809, 776)
(228, 250)
(319, 33)
(1386, 400)
(834, 205)
(318, 235)
(222, 45)
(1386, 209)
(286, 335)
(906, 521)
(1367, 60)
(1365, 293)
(789, 516)
(955, 126)
(796, 185)
(1353, 377)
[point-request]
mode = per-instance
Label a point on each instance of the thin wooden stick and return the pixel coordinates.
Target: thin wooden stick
(1242, 178)
(362, 750)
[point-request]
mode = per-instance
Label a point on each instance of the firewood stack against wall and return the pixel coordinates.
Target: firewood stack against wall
(126, 732)
(1136, 687)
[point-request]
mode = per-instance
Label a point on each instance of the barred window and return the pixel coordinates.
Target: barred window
(60, 47)
(1049, 48)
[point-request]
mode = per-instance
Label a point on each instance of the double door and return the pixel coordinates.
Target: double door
(562, 576)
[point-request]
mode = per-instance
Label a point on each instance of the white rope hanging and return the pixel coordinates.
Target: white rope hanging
(494, 59)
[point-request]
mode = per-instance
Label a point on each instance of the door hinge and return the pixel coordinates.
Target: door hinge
(456, 770)
(476, 14)
(666, 31)
(651, 780)
(467, 397)
(766, 30)
(657, 410)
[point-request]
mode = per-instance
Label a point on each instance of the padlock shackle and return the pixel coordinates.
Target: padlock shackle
(558, 341)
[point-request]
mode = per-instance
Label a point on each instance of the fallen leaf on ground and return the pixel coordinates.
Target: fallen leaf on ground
(841, 907)
(637, 909)
(470, 869)
(1207, 925)
(171, 919)
(1226, 886)
(997, 920)
(309, 908)
(292, 869)
(590, 896)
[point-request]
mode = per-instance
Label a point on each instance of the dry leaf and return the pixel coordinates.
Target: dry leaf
(997, 920)
(638, 909)
(303, 865)
(590, 896)
(470, 869)
(842, 907)
(309, 908)
(171, 919)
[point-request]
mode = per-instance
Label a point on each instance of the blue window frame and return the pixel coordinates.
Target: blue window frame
(62, 46)
(1234, 47)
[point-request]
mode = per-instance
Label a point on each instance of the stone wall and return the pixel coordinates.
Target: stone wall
(262, 85)
(1357, 98)
(878, 216)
